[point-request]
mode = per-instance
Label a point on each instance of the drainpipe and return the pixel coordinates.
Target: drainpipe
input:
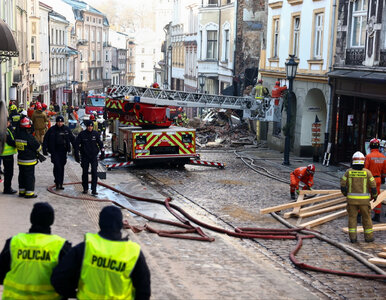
(330, 57)
(49, 59)
(218, 48)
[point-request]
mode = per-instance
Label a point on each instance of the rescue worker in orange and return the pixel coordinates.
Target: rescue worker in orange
(40, 121)
(302, 174)
(358, 185)
(376, 162)
(278, 90)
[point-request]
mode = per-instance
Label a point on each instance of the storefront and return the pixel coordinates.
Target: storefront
(358, 111)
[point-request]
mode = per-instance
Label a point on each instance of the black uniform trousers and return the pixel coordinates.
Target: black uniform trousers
(8, 171)
(86, 161)
(59, 159)
(26, 180)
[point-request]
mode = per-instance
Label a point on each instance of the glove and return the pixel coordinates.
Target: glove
(102, 155)
(383, 180)
(297, 192)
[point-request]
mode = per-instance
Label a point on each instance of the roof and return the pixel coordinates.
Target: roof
(362, 75)
(78, 6)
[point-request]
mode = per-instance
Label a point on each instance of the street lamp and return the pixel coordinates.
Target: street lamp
(290, 68)
(201, 82)
(166, 85)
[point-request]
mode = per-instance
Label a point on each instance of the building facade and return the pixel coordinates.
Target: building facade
(304, 29)
(359, 78)
(42, 78)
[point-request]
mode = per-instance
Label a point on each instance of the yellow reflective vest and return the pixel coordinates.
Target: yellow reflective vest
(106, 268)
(9, 150)
(33, 257)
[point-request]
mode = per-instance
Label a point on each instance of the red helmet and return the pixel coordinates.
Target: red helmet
(180, 108)
(76, 108)
(260, 81)
(155, 85)
(92, 117)
(25, 123)
(374, 143)
(44, 105)
(38, 106)
(311, 169)
(64, 103)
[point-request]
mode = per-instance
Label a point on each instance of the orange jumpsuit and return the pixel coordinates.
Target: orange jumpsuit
(376, 163)
(301, 174)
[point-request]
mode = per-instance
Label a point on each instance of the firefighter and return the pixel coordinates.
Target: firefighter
(101, 127)
(57, 141)
(94, 121)
(64, 108)
(7, 158)
(51, 107)
(21, 108)
(27, 259)
(15, 116)
(28, 148)
(358, 185)
(376, 162)
(302, 174)
(260, 91)
(88, 143)
(40, 121)
(105, 265)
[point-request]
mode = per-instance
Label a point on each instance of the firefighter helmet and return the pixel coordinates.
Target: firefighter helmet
(374, 143)
(155, 85)
(358, 158)
(277, 83)
(311, 169)
(38, 106)
(92, 117)
(44, 105)
(13, 107)
(25, 123)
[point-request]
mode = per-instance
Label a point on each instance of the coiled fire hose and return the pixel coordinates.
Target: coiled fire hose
(250, 233)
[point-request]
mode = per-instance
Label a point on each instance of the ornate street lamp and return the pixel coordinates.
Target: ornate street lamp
(290, 68)
(201, 82)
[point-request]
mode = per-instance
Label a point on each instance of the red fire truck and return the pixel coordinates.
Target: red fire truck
(95, 103)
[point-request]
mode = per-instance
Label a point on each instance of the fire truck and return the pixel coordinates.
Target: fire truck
(95, 103)
(142, 126)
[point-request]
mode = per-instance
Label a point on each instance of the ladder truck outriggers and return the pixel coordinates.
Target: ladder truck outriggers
(142, 129)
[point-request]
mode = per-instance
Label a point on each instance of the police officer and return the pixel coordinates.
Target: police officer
(27, 148)
(27, 260)
(88, 143)
(7, 158)
(104, 266)
(358, 185)
(57, 142)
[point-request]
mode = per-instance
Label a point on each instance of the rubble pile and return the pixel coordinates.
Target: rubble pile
(222, 128)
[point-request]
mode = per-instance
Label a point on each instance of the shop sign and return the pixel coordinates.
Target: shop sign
(350, 119)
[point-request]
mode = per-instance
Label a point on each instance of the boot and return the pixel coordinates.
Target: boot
(369, 240)
(293, 195)
(376, 218)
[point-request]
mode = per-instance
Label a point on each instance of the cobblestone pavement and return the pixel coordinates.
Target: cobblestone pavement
(234, 196)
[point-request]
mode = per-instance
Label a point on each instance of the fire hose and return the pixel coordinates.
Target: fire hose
(246, 232)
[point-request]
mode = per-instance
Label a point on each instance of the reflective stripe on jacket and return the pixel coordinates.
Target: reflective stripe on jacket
(9, 150)
(106, 268)
(33, 257)
(358, 184)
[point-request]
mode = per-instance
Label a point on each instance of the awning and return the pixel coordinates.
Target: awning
(361, 75)
(8, 46)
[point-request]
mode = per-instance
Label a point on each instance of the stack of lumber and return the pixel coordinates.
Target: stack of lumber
(324, 201)
(379, 261)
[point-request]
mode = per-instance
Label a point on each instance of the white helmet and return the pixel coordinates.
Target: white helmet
(24, 112)
(358, 158)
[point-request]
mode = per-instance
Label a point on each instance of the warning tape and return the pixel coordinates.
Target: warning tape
(206, 163)
(111, 155)
(124, 164)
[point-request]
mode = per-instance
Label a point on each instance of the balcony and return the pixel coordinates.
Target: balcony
(82, 42)
(355, 56)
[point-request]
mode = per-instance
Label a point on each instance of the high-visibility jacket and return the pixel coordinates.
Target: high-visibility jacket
(33, 257)
(301, 174)
(260, 92)
(376, 163)
(106, 268)
(8, 149)
(358, 184)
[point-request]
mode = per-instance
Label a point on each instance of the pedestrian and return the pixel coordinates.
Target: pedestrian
(27, 259)
(57, 141)
(88, 143)
(358, 185)
(40, 121)
(302, 174)
(7, 158)
(105, 265)
(28, 149)
(376, 162)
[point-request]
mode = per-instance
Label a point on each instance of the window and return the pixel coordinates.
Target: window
(81, 75)
(143, 50)
(144, 78)
(107, 56)
(93, 20)
(92, 55)
(131, 52)
(201, 46)
(318, 39)
(81, 56)
(226, 41)
(211, 48)
(99, 33)
(276, 32)
(92, 35)
(86, 34)
(142, 65)
(295, 36)
(129, 67)
(212, 2)
(358, 23)
(98, 56)
(33, 48)
(88, 19)
(56, 36)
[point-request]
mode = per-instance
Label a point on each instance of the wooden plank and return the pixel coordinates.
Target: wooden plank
(289, 205)
(324, 219)
(376, 227)
(322, 205)
(377, 261)
(314, 192)
(380, 199)
(296, 210)
(384, 248)
(320, 198)
(382, 254)
(322, 211)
